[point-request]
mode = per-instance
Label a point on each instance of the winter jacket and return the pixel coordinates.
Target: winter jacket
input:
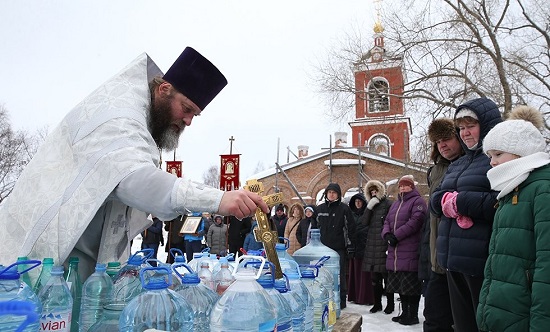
(335, 222)
(514, 295)
(280, 224)
(360, 236)
(302, 230)
(405, 219)
(291, 228)
(237, 231)
(172, 227)
(250, 242)
(465, 250)
(153, 234)
(217, 238)
(374, 257)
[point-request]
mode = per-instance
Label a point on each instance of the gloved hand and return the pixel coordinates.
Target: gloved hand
(391, 239)
(448, 204)
(372, 202)
(464, 222)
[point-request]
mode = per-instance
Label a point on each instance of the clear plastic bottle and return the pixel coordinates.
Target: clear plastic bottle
(194, 263)
(224, 260)
(326, 278)
(57, 303)
(313, 252)
(112, 269)
(297, 286)
(25, 277)
(18, 316)
(320, 301)
(47, 264)
(109, 319)
(245, 305)
(75, 286)
(223, 278)
(157, 307)
(205, 275)
(13, 289)
(201, 299)
(297, 306)
(96, 293)
(284, 256)
(284, 315)
(127, 285)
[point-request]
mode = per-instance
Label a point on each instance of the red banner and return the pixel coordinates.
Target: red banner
(229, 172)
(175, 167)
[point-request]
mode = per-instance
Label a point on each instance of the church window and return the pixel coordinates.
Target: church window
(378, 95)
(379, 144)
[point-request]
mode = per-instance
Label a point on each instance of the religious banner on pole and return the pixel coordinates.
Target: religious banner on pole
(229, 172)
(174, 167)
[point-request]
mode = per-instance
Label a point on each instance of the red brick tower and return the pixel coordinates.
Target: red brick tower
(380, 124)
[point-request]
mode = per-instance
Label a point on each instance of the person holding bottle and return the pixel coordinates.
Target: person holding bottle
(402, 232)
(514, 295)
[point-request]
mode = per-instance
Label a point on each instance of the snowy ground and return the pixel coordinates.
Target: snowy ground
(378, 322)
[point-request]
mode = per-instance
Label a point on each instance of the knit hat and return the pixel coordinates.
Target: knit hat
(519, 134)
(464, 112)
(280, 207)
(406, 180)
(310, 208)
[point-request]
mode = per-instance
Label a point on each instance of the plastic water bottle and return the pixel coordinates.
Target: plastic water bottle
(75, 286)
(315, 250)
(297, 306)
(224, 260)
(17, 316)
(13, 289)
(284, 256)
(109, 319)
(245, 305)
(194, 263)
(297, 286)
(47, 264)
(224, 277)
(327, 280)
(205, 275)
(127, 285)
(320, 301)
(57, 303)
(96, 293)
(282, 307)
(199, 297)
(25, 277)
(157, 307)
(112, 269)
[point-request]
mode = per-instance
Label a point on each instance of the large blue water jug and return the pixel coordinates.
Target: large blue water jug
(96, 293)
(320, 301)
(57, 303)
(127, 284)
(327, 279)
(284, 256)
(245, 305)
(13, 289)
(297, 306)
(199, 297)
(284, 315)
(315, 250)
(109, 319)
(297, 286)
(157, 307)
(18, 316)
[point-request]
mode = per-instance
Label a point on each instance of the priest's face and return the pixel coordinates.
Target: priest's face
(170, 113)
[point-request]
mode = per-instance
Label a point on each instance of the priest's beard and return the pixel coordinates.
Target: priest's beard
(160, 124)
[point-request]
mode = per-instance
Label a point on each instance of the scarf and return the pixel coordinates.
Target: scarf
(505, 177)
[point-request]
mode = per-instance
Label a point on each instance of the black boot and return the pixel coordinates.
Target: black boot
(412, 313)
(404, 308)
(390, 306)
(378, 290)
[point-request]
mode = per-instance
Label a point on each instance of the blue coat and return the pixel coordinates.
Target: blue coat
(465, 250)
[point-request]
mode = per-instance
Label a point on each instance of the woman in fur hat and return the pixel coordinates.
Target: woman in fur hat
(374, 257)
(514, 295)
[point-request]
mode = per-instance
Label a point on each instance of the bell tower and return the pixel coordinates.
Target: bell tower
(380, 123)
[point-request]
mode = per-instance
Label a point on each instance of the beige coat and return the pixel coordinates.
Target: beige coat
(292, 226)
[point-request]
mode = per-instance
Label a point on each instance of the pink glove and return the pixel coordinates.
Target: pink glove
(448, 204)
(464, 222)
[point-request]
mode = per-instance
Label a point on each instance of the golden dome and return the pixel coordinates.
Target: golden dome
(378, 28)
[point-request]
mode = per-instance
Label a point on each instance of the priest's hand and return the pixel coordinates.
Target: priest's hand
(241, 204)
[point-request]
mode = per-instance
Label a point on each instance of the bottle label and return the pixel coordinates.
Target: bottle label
(331, 313)
(269, 326)
(59, 322)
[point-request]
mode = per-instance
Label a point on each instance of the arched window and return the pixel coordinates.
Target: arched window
(378, 95)
(379, 144)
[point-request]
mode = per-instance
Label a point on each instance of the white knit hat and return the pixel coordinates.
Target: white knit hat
(518, 135)
(464, 112)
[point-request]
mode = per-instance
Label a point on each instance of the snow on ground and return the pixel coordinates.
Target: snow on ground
(378, 322)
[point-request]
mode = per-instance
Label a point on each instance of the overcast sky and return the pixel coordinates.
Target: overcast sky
(54, 53)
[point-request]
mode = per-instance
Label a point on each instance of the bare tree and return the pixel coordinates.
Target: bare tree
(452, 51)
(211, 176)
(16, 149)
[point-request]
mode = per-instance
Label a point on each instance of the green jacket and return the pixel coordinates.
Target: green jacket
(515, 295)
